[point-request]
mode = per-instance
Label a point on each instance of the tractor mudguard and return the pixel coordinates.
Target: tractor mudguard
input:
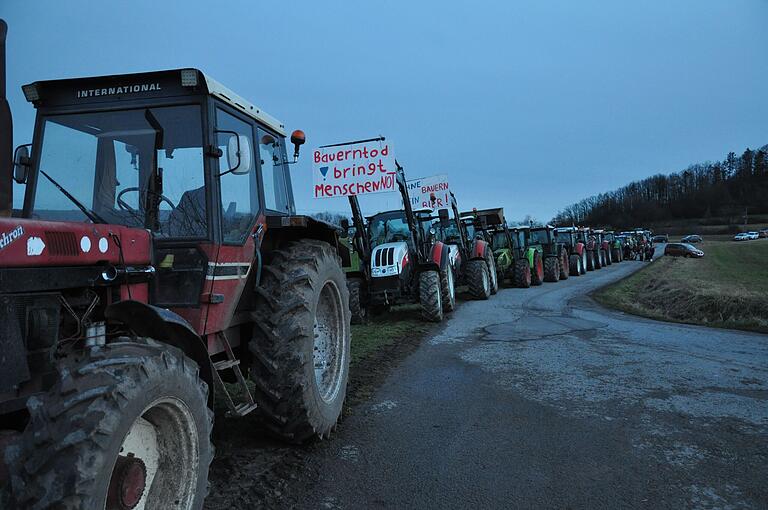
(293, 228)
(167, 327)
(479, 250)
(440, 255)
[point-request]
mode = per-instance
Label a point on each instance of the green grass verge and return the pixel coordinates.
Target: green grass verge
(727, 288)
(402, 322)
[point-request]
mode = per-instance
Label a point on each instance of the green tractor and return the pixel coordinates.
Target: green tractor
(533, 252)
(555, 253)
(511, 261)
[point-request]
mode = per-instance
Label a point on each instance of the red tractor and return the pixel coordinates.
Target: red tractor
(157, 256)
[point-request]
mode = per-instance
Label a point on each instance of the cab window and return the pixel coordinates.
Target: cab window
(272, 161)
(238, 180)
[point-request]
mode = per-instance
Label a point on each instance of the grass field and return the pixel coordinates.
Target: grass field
(727, 288)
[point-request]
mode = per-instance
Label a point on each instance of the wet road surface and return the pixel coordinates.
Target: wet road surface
(541, 399)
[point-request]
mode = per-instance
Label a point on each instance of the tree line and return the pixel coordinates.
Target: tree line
(734, 187)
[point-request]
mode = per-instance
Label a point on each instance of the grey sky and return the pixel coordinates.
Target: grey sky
(529, 105)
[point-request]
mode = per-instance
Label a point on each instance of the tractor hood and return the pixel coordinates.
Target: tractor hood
(33, 243)
(389, 259)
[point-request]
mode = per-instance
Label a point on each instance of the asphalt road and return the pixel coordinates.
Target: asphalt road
(541, 399)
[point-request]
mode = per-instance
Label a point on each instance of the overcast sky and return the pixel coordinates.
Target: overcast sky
(530, 105)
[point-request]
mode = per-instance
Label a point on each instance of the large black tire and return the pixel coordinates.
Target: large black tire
(551, 269)
(492, 274)
(563, 264)
(537, 272)
(607, 258)
(77, 430)
(584, 261)
(590, 260)
(616, 254)
(597, 261)
(302, 320)
(574, 265)
(359, 312)
(522, 277)
(430, 296)
(448, 289)
(478, 279)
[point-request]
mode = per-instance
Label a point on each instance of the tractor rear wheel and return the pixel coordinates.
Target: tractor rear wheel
(551, 269)
(583, 262)
(522, 277)
(478, 279)
(574, 265)
(590, 260)
(128, 426)
(448, 289)
(607, 256)
(358, 311)
(537, 271)
(564, 265)
(616, 254)
(300, 343)
(597, 261)
(430, 296)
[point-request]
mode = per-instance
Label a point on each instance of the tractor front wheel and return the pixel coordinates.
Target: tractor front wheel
(574, 265)
(522, 274)
(551, 269)
(563, 263)
(300, 344)
(430, 296)
(492, 274)
(128, 426)
(478, 279)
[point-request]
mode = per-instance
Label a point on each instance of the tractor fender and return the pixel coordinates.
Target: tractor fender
(166, 327)
(479, 250)
(579, 248)
(440, 255)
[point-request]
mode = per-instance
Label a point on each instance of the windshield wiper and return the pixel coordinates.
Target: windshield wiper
(95, 218)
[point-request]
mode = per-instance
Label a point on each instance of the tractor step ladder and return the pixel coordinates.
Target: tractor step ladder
(233, 363)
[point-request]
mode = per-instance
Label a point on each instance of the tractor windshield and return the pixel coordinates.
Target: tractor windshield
(389, 228)
(500, 241)
(139, 168)
(539, 237)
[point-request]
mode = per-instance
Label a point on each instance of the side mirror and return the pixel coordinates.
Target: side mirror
(297, 139)
(21, 164)
(444, 216)
(239, 155)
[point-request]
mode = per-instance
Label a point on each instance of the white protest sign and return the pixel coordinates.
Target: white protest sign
(353, 169)
(430, 193)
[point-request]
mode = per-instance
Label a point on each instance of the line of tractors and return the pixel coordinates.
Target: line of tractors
(158, 264)
(419, 257)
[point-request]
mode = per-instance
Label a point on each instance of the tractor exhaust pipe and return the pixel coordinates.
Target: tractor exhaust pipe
(6, 135)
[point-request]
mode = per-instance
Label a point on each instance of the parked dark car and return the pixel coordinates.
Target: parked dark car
(763, 233)
(693, 238)
(682, 250)
(662, 238)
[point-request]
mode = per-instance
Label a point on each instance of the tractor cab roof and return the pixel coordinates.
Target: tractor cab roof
(491, 216)
(97, 91)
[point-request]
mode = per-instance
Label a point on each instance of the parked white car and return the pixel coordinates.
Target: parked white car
(754, 235)
(744, 236)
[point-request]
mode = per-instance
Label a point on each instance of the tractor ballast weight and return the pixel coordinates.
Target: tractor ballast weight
(149, 266)
(399, 261)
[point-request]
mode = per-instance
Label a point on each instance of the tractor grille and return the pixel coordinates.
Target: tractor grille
(385, 257)
(62, 243)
